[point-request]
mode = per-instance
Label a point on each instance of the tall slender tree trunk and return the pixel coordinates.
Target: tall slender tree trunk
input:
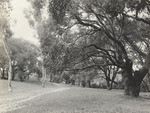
(27, 77)
(51, 78)
(9, 65)
(112, 81)
(43, 76)
(9, 76)
(13, 72)
(3, 73)
(111, 85)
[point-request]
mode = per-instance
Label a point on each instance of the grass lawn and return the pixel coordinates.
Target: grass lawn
(71, 100)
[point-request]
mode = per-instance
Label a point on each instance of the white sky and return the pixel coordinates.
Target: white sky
(21, 28)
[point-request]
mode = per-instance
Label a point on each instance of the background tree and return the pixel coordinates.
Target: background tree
(5, 33)
(24, 56)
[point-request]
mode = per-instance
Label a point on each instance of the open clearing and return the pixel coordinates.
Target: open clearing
(60, 98)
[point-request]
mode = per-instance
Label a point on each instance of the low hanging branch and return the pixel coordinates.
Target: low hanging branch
(112, 58)
(100, 67)
(108, 34)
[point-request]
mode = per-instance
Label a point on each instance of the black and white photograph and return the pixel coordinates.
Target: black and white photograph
(74, 56)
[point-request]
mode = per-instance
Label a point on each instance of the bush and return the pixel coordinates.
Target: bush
(94, 85)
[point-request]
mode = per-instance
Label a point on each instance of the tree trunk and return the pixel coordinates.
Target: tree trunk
(27, 77)
(108, 83)
(112, 81)
(43, 76)
(139, 76)
(3, 74)
(111, 85)
(133, 82)
(130, 86)
(128, 78)
(83, 83)
(9, 76)
(51, 78)
(89, 83)
(13, 73)
(10, 66)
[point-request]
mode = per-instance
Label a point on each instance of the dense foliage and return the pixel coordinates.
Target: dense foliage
(108, 35)
(24, 56)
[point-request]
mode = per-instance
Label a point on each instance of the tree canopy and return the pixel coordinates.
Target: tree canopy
(97, 34)
(24, 56)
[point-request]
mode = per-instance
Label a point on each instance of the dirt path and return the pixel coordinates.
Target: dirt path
(23, 93)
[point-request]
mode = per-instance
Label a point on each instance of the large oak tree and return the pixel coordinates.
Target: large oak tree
(115, 31)
(119, 22)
